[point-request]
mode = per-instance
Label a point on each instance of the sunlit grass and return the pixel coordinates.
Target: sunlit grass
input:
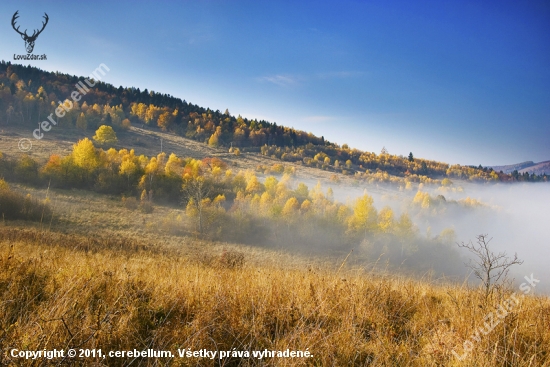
(61, 291)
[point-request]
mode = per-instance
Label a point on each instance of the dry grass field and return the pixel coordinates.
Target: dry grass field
(96, 275)
(122, 293)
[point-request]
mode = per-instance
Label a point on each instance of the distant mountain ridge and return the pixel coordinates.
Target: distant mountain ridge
(528, 166)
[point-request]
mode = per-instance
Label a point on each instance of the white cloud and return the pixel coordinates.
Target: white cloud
(280, 80)
(286, 80)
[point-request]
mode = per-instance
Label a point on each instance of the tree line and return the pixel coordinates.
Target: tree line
(225, 205)
(28, 95)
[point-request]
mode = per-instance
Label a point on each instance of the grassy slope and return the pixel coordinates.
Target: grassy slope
(63, 291)
(113, 282)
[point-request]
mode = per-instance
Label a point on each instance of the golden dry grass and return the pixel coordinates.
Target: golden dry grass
(115, 293)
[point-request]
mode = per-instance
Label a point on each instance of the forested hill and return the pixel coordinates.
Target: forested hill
(29, 95)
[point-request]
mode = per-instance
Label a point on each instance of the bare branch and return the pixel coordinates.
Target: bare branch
(487, 266)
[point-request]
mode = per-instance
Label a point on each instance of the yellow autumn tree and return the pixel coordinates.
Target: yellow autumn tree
(405, 230)
(363, 219)
(128, 167)
(105, 135)
(198, 185)
(151, 114)
(270, 184)
(291, 208)
(151, 169)
(84, 155)
(386, 219)
(266, 202)
(306, 206)
(214, 140)
(173, 165)
(207, 212)
(164, 120)
(302, 191)
(404, 227)
(253, 185)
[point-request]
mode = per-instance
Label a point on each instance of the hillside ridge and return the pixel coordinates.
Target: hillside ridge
(28, 94)
(528, 167)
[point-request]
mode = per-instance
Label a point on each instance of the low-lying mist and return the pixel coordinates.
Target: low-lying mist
(516, 217)
(412, 228)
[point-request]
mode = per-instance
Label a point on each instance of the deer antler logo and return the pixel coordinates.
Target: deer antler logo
(29, 40)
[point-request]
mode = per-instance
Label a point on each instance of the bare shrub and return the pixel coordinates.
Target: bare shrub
(228, 259)
(130, 203)
(492, 269)
(146, 207)
(231, 259)
(14, 206)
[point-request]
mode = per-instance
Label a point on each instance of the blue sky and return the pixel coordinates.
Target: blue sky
(457, 81)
